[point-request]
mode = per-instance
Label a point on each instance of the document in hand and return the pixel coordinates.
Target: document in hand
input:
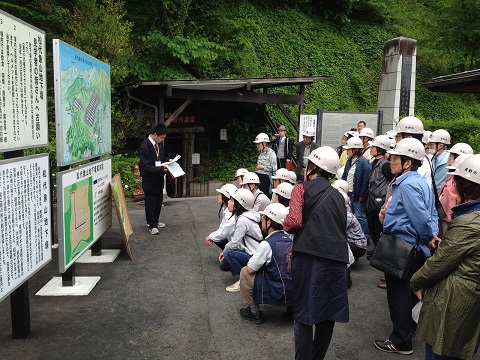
(174, 169)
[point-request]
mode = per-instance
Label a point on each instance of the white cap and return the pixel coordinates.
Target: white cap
(284, 189)
(261, 138)
(227, 190)
(250, 178)
(366, 131)
(409, 147)
(410, 125)
(469, 169)
(245, 198)
(275, 212)
(461, 148)
(440, 136)
(293, 177)
(309, 131)
(353, 143)
(341, 185)
(282, 174)
(381, 141)
(241, 172)
(326, 158)
(458, 161)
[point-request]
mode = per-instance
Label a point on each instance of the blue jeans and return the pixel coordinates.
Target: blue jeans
(360, 212)
(236, 260)
(430, 355)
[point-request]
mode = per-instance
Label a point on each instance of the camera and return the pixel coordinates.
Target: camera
(276, 135)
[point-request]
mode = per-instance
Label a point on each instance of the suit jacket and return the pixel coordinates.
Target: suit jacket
(300, 151)
(152, 176)
(288, 147)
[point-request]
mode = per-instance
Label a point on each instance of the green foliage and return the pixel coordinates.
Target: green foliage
(461, 130)
(102, 31)
(123, 165)
(239, 152)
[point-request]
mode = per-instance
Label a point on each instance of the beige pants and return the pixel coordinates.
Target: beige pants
(246, 286)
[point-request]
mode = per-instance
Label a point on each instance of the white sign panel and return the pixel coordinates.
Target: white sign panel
(335, 124)
(84, 209)
(23, 86)
(25, 227)
(196, 159)
(307, 121)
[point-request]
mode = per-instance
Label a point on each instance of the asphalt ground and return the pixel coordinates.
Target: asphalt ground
(170, 302)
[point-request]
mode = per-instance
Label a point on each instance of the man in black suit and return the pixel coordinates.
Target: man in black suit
(304, 148)
(152, 154)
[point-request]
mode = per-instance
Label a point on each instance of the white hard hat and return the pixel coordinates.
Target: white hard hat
(458, 161)
(469, 169)
(241, 172)
(250, 178)
(409, 147)
(461, 148)
(425, 137)
(366, 131)
(309, 131)
(261, 138)
(440, 136)
(351, 133)
(345, 197)
(381, 141)
(340, 172)
(227, 190)
(341, 185)
(275, 212)
(410, 125)
(326, 158)
(391, 134)
(353, 143)
(245, 198)
(293, 177)
(282, 174)
(284, 189)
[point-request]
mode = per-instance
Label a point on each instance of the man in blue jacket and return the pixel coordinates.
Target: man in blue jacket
(266, 279)
(152, 154)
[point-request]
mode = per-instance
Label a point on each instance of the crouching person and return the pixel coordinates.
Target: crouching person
(266, 279)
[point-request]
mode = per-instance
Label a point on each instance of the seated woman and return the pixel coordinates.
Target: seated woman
(246, 237)
(266, 279)
(224, 233)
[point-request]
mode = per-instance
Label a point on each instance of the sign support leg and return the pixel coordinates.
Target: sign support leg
(20, 310)
(97, 247)
(68, 277)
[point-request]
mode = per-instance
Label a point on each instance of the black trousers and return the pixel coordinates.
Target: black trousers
(309, 347)
(153, 207)
(401, 300)
(264, 185)
(280, 163)
(374, 225)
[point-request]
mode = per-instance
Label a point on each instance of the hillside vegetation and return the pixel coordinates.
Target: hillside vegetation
(183, 39)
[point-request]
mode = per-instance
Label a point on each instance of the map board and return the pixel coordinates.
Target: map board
(84, 209)
(122, 211)
(25, 220)
(334, 124)
(23, 85)
(82, 105)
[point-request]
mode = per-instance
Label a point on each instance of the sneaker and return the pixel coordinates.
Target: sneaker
(387, 346)
(154, 231)
(161, 225)
(235, 287)
(246, 313)
(382, 285)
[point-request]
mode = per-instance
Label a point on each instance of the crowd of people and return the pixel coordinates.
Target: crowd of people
(290, 229)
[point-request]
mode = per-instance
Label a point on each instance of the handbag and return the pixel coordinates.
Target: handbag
(394, 256)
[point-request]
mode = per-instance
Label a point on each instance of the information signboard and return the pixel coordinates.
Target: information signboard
(334, 124)
(82, 105)
(84, 209)
(307, 121)
(25, 220)
(23, 86)
(122, 211)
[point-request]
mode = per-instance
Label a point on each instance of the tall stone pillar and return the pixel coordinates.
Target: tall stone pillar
(396, 97)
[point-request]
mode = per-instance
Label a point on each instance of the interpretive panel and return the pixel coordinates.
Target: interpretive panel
(25, 220)
(334, 124)
(85, 209)
(122, 211)
(307, 121)
(23, 86)
(82, 105)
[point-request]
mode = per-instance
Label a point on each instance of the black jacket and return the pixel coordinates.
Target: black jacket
(324, 233)
(152, 177)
